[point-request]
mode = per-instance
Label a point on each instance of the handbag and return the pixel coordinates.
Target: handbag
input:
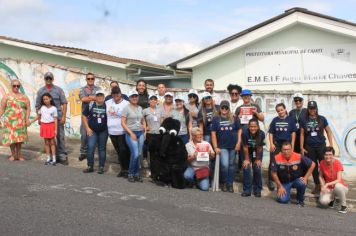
(202, 173)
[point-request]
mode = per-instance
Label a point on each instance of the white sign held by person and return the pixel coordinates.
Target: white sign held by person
(325, 63)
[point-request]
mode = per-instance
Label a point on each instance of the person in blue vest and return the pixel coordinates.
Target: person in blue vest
(291, 170)
(95, 121)
(252, 144)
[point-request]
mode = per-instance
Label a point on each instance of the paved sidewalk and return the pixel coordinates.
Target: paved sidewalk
(34, 151)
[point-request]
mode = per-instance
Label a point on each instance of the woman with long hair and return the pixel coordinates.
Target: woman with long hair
(192, 105)
(141, 88)
(205, 115)
(181, 113)
(226, 139)
(312, 139)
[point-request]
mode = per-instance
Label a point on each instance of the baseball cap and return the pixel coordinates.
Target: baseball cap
(312, 104)
(225, 103)
(193, 91)
(298, 95)
(168, 94)
(48, 75)
(246, 92)
(99, 92)
(206, 95)
(179, 97)
(152, 96)
(132, 92)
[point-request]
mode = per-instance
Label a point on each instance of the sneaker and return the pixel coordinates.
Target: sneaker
(145, 163)
(48, 162)
(88, 170)
(257, 194)
(101, 170)
(53, 163)
(230, 188)
(343, 209)
(224, 187)
(131, 179)
(300, 203)
(138, 179)
(122, 174)
(332, 204)
(82, 157)
(63, 161)
(245, 194)
(271, 186)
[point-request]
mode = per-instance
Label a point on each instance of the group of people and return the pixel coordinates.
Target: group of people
(209, 127)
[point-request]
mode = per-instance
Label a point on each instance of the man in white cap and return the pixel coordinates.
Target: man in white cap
(298, 114)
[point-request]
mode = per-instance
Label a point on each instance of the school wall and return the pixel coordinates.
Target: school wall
(231, 68)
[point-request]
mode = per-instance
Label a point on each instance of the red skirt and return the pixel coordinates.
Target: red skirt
(47, 130)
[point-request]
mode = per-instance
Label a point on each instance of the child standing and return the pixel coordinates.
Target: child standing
(47, 115)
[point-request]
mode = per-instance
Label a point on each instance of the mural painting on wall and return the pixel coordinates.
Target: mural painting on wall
(31, 77)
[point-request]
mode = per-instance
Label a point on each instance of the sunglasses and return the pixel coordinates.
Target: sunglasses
(206, 98)
(48, 78)
(90, 78)
(134, 96)
(16, 86)
(234, 94)
(298, 100)
(192, 96)
(225, 108)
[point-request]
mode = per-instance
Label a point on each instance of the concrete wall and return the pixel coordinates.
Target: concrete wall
(230, 68)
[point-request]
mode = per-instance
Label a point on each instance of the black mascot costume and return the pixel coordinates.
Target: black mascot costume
(172, 160)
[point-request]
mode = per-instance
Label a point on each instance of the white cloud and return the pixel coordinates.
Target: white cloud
(19, 7)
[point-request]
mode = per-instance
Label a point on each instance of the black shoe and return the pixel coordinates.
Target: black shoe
(230, 188)
(88, 170)
(270, 186)
(101, 170)
(257, 194)
(82, 157)
(63, 161)
(138, 179)
(343, 209)
(131, 179)
(332, 204)
(245, 194)
(300, 203)
(224, 188)
(122, 174)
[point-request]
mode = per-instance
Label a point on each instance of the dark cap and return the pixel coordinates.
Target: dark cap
(225, 103)
(312, 104)
(48, 75)
(116, 90)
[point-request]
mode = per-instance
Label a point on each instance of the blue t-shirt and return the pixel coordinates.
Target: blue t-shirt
(282, 129)
(226, 131)
(97, 119)
(314, 131)
(253, 141)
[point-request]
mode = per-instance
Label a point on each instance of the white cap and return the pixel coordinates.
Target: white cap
(100, 92)
(298, 95)
(179, 97)
(205, 94)
(168, 94)
(152, 96)
(132, 92)
(193, 91)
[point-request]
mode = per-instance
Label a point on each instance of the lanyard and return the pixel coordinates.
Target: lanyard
(298, 115)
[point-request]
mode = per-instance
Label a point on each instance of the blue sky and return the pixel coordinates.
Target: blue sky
(159, 31)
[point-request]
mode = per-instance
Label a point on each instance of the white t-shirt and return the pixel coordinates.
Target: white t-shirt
(190, 147)
(114, 112)
(48, 114)
(234, 106)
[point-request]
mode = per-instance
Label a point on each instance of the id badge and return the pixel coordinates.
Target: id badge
(254, 154)
(313, 134)
(99, 120)
(155, 118)
(297, 125)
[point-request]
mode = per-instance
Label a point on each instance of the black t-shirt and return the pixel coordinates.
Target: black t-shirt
(97, 119)
(314, 131)
(253, 141)
(298, 116)
(209, 113)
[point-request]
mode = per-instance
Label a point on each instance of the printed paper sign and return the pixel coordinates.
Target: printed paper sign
(246, 114)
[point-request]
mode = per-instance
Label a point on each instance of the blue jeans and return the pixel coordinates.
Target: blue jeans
(100, 139)
(185, 138)
(135, 150)
(254, 181)
(299, 185)
(189, 175)
(227, 162)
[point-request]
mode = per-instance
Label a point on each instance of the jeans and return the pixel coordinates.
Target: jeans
(100, 139)
(83, 139)
(316, 154)
(189, 175)
(185, 138)
(61, 152)
(135, 147)
(227, 162)
(254, 181)
(299, 185)
(122, 150)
